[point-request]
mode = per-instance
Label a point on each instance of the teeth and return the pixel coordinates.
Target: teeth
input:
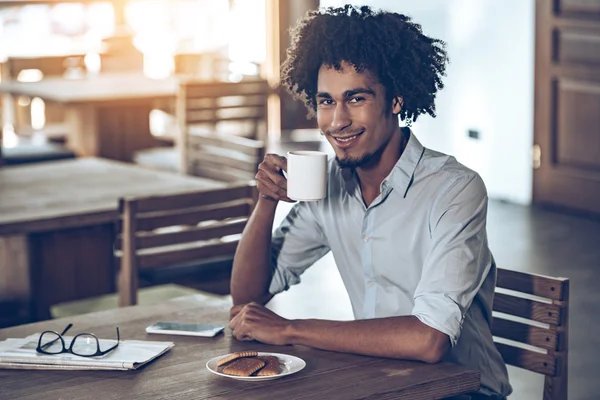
(347, 139)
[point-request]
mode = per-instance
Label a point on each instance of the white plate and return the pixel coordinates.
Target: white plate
(288, 364)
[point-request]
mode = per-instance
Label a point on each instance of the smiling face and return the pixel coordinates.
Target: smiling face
(354, 116)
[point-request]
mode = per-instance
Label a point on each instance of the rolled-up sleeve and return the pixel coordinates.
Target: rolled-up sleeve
(296, 244)
(459, 259)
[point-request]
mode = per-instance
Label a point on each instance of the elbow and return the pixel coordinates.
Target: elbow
(437, 346)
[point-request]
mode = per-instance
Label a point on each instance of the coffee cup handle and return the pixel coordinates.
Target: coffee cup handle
(284, 173)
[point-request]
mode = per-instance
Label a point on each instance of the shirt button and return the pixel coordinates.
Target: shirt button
(366, 238)
(371, 283)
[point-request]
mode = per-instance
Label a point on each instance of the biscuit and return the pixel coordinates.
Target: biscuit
(244, 366)
(235, 356)
(271, 367)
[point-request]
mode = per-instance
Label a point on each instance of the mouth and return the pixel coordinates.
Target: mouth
(347, 140)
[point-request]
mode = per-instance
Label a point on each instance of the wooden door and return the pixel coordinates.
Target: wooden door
(567, 105)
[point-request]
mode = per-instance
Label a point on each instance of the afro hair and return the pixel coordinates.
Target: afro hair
(389, 45)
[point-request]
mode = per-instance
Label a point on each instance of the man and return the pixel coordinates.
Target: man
(405, 224)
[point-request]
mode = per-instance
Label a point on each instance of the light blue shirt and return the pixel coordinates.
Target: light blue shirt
(419, 249)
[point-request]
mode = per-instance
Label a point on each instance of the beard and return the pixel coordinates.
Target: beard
(354, 162)
(364, 161)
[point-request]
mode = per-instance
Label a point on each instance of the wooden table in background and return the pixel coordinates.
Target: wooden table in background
(108, 114)
(181, 372)
(57, 227)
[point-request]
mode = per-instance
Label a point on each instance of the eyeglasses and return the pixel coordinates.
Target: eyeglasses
(83, 344)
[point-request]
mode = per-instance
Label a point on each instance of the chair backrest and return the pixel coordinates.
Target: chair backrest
(531, 326)
(170, 230)
(223, 157)
(48, 66)
(238, 108)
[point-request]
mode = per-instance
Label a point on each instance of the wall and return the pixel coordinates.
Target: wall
(489, 86)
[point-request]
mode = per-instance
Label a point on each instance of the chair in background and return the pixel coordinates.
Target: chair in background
(223, 157)
(238, 108)
(59, 65)
(47, 143)
(180, 234)
(214, 120)
(537, 340)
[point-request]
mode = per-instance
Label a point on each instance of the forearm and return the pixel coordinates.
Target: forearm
(395, 337)
(251, 274)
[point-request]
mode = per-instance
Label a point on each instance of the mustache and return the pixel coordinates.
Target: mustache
(345, 132)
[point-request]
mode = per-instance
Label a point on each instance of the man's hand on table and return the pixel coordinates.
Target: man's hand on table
(255, 322)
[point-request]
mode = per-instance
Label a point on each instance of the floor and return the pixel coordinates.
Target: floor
(521, 238)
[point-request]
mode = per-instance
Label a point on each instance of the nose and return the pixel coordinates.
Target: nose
(341, 117)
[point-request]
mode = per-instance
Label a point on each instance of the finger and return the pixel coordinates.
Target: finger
(272, 174)
(241, 334)
(268, 188)
(235, 310)
(236, 320)
(273, 165)
(278, 162)
(233, 323)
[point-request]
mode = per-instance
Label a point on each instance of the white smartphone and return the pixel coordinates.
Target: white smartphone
(184, 328)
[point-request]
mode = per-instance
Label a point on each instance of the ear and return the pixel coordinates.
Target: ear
(397, 104)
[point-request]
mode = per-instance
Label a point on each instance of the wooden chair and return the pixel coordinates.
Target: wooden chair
(176, 231)
(537, 340)
(238, 108)
(205, 147)
(55, 126)
(223, 157)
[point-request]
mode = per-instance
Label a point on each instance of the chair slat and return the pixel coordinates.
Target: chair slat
(527, 359)
(209, 159)
(526, 308)
(537, 285)
(193, 217)
(173, 202)
(524, 333)
(156, 260)
(196, 234)
(245, 102)
(185, 236)
(226, 174)
(200, 119)
(222, 89)
(244, 145)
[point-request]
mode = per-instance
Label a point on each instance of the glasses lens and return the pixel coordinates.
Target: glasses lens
(50, 343)
(85, 345)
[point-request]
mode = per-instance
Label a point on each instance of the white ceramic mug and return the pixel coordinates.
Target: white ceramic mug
(306, 175)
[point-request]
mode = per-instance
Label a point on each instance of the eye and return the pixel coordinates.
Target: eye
(325, 102)
(356, 99)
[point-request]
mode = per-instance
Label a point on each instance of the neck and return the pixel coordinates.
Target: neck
(371, 176)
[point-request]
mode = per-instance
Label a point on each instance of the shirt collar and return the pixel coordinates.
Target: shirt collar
(402, 175)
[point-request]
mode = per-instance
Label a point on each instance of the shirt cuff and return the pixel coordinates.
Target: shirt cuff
(441, 313)
(282, 279)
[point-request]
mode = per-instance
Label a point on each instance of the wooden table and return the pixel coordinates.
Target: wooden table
(57, 226)
(181, 373)
(107, 114)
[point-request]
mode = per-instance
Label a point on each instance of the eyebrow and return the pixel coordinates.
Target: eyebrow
(348, 93)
